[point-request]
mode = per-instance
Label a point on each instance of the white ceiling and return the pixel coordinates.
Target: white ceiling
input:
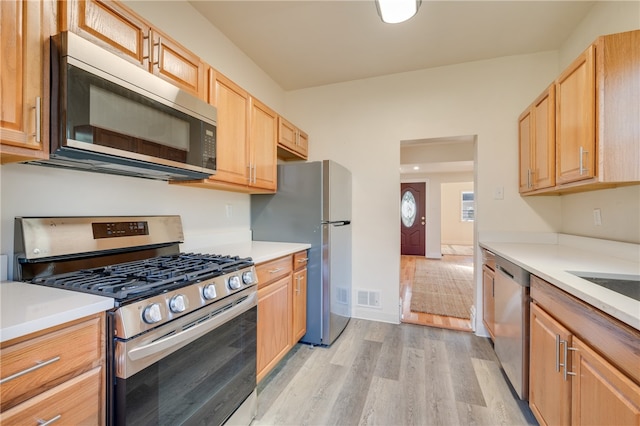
(306, 43)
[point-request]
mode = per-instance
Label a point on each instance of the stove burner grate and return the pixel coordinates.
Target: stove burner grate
(147, 277)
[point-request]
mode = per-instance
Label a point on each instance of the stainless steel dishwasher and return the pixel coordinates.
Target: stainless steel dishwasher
(512, 323)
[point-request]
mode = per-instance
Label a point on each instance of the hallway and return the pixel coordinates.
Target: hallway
(407, 274)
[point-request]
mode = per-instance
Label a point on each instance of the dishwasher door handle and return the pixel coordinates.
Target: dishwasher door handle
(504, 271)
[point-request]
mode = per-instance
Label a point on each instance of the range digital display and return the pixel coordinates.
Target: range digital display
(119, 229)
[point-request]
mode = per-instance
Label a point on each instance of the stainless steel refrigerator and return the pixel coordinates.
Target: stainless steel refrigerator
(313, 205)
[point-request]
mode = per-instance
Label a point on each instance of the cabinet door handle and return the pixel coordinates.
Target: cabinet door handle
(50, 421)
(38, 108)
(273, 271)
(303, 260)
(39, 364)
(298, 279)
(583, 170)
(566, 360)
(528, 178)
(147, 38)
(557, 353)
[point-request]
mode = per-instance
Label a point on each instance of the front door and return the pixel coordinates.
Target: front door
(412, 218)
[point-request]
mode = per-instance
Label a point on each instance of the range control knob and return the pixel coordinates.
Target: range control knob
(247, 277)
(234, 282)
(209, 291)
(152, 314)
(178, 303)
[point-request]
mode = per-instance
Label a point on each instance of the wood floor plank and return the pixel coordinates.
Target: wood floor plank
(388, 365)
(344, 385)
(504, 407)
(414, 392)
(465, 383)
(381, 405)
(347, 408)
(440, 398)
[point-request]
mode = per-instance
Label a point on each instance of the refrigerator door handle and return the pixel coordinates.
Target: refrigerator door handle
(336, 222)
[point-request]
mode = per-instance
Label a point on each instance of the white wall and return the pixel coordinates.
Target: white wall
(43, 191)
(368, 119)
(620, 207)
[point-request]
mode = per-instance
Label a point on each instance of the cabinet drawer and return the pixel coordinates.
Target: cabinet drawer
(74, 402)
(38, 364)
(272, 270)
(300, 260)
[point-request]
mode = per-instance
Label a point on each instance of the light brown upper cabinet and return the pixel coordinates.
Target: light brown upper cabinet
(25, 27)
(537, 143)
(597, 130)
(263, 131)
(575, 112)
(293, 143)
(245, 143)
(172, 62)
(118, 29)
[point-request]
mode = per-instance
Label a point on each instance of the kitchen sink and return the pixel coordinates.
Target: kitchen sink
(628, 285)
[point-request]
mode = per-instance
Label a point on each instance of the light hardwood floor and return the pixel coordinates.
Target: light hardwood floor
(407, 270)
(387, 374)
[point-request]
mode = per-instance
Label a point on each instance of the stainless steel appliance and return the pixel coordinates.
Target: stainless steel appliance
(313, 205)
(182, 336)
(511, 290)
(111, 116)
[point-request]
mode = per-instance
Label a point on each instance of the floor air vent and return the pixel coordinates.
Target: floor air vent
(369, 298)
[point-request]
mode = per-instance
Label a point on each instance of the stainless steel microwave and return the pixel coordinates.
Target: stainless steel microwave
(110, 116)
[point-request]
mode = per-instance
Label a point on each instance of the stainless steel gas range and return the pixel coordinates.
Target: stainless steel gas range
(182, 337)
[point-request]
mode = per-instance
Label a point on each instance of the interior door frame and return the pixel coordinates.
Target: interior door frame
(426, 207)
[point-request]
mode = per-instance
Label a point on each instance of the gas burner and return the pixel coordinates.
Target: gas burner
(130, 281)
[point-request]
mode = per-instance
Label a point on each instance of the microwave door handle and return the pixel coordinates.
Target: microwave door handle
(192, 333)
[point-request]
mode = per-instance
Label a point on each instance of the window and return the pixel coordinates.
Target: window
(467, 207)
(408, 209)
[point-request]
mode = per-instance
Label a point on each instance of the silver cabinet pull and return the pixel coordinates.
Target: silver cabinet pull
(566, 361)
(583, 170)
(273, 271)
(529, 178)
(38, 109)
(557, 353)
(154, 60)
(39, 364)
(303, 260)
(298, 279)
(146, 38)
(48, 422)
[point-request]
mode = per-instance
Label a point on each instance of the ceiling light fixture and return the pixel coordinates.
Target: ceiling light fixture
(396, 11)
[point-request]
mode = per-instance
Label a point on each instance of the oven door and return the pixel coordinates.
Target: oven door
(196, 370)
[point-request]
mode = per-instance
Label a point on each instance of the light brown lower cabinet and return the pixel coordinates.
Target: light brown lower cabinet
(299, 297)
(584, 364)
(56, 375)
(282, 309)
(274, 340)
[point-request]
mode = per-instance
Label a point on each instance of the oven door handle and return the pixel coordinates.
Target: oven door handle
(176, 341)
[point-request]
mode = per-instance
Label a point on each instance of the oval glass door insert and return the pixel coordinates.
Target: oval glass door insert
(408, 209)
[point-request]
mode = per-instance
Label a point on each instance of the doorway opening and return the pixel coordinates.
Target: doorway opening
(438, 282)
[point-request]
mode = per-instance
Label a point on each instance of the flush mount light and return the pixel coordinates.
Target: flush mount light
(396, 11)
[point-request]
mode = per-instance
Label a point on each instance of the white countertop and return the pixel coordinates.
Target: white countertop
(259, 251)
(27, 308)
(552, 262)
